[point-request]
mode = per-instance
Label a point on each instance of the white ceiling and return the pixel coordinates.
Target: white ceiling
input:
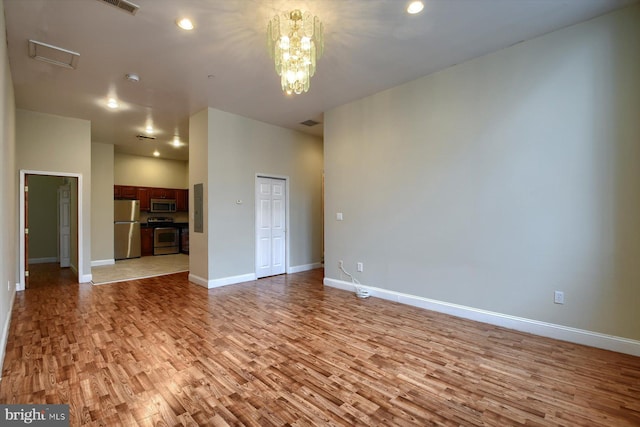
(370, 45)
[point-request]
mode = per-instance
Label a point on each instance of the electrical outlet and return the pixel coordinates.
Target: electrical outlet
(360, 267)
(558, 297)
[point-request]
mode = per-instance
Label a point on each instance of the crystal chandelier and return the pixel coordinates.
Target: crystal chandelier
(295, 42)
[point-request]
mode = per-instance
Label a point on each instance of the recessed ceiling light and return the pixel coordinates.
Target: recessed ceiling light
(132, 77)
(156, 153)
(112, 103)
(176, 141)
(415, 7)
(185, 24)
(149, 129)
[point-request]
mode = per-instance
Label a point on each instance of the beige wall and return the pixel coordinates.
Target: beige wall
(150, 172)
(43, 218)
(102, 169)
(497, 181)
(59, 145)
(199, 243)
(8, 193)
(238, 148)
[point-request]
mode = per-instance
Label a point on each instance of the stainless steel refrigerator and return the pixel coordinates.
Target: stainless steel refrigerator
(126, 218)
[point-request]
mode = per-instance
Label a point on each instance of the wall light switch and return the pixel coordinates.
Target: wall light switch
(339, 216)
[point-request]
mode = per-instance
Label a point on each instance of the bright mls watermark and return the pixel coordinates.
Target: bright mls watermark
(36, 415)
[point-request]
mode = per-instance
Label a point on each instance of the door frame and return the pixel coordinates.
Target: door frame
(64, 262)
(23, 173)
(287, 233)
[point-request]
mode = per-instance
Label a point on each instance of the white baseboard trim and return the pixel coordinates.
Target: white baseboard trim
(44, 260)
(224, 281)
(249, 277)
(198, 280)
(549, 330)
(304, 267)
(5, 331)
(100, 262)
(85, 278)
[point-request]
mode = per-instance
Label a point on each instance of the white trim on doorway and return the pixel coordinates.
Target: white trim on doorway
(83, 277)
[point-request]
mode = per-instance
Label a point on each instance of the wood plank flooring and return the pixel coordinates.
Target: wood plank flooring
(286, 351)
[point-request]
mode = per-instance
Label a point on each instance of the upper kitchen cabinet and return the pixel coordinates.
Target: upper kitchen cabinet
(124, 192)
(182, 200)
(162, 193)
(143, 196)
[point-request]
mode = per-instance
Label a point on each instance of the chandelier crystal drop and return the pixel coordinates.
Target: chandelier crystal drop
(295, 43)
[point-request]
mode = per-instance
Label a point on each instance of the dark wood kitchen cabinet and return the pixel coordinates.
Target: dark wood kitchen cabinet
(124, 192)
(184, 240)
(143, 196)
(182, 200)
(146, 241)
(162, 193)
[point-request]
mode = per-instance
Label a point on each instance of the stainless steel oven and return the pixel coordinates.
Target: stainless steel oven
(166, 240)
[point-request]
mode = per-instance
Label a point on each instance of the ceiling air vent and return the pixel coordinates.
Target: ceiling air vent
(53, 54)
(309, 123)
(125, 5)
(145, 137)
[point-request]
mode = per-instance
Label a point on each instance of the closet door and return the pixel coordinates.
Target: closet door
(270, 226)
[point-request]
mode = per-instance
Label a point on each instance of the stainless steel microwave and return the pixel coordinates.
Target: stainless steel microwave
(162, 205)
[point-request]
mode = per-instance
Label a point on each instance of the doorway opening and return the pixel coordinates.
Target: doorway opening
(50, 227)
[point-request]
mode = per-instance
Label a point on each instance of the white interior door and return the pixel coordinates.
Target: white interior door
(64, 218)
(271, 223)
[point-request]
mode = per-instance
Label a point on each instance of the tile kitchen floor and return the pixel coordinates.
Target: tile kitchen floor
(138, 268)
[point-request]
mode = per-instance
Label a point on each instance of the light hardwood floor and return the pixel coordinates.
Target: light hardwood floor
(286, 351)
